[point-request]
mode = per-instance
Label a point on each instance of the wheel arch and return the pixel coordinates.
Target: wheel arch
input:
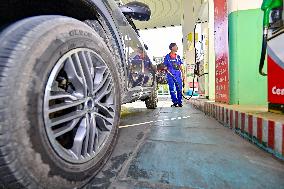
(12, 11)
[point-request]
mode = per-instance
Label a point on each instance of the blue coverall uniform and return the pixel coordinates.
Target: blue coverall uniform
(173, 65)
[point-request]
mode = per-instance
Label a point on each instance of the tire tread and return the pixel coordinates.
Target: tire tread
(14, 39)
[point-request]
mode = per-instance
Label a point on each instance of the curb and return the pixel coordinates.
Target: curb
(266, 134)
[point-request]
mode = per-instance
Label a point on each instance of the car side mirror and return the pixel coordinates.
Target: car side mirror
(136, 10)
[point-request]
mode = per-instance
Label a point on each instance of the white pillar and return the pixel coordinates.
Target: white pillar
(211, 57)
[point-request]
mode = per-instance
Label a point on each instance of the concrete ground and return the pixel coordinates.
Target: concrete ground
(183, 148)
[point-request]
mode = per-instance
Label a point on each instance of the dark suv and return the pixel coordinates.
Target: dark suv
(66, 66)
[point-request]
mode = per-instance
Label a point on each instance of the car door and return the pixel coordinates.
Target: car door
(133, 49)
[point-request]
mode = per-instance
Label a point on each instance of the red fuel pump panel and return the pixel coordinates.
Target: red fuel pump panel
(275, 82)
(222, 91)
(275, 70)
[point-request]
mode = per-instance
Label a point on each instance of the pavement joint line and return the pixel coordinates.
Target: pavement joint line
(146, 184)
(125, 167)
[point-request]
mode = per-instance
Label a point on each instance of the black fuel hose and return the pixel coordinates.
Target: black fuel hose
(203, 74)
(179, 87)
(263, 53)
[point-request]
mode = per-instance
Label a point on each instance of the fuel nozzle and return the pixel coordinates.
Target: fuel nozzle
(276, 6)
(272, 19)
(276, 18)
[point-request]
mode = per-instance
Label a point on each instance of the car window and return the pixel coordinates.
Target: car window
(133, 47)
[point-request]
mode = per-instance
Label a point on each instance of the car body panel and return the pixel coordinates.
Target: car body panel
(138, 83)
(140, 74)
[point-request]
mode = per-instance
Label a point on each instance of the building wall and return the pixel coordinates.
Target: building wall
(245, 35)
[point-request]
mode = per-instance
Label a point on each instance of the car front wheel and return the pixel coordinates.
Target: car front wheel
(59, 103)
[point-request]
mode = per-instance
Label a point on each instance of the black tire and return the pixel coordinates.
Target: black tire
(29, 50)
(152, 101)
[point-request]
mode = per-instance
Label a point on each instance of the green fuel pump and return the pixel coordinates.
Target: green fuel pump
(274, 9)
(273, 44)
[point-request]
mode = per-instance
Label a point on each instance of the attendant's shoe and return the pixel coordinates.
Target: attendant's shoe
(174, 105)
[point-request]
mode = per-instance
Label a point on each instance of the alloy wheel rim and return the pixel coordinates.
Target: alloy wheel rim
(79, 105)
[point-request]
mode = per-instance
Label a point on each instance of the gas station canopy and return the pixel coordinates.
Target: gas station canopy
(164, 13)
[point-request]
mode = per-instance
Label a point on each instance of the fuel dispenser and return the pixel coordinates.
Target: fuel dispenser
(273, 44)
(202, 67)
(201, 60)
